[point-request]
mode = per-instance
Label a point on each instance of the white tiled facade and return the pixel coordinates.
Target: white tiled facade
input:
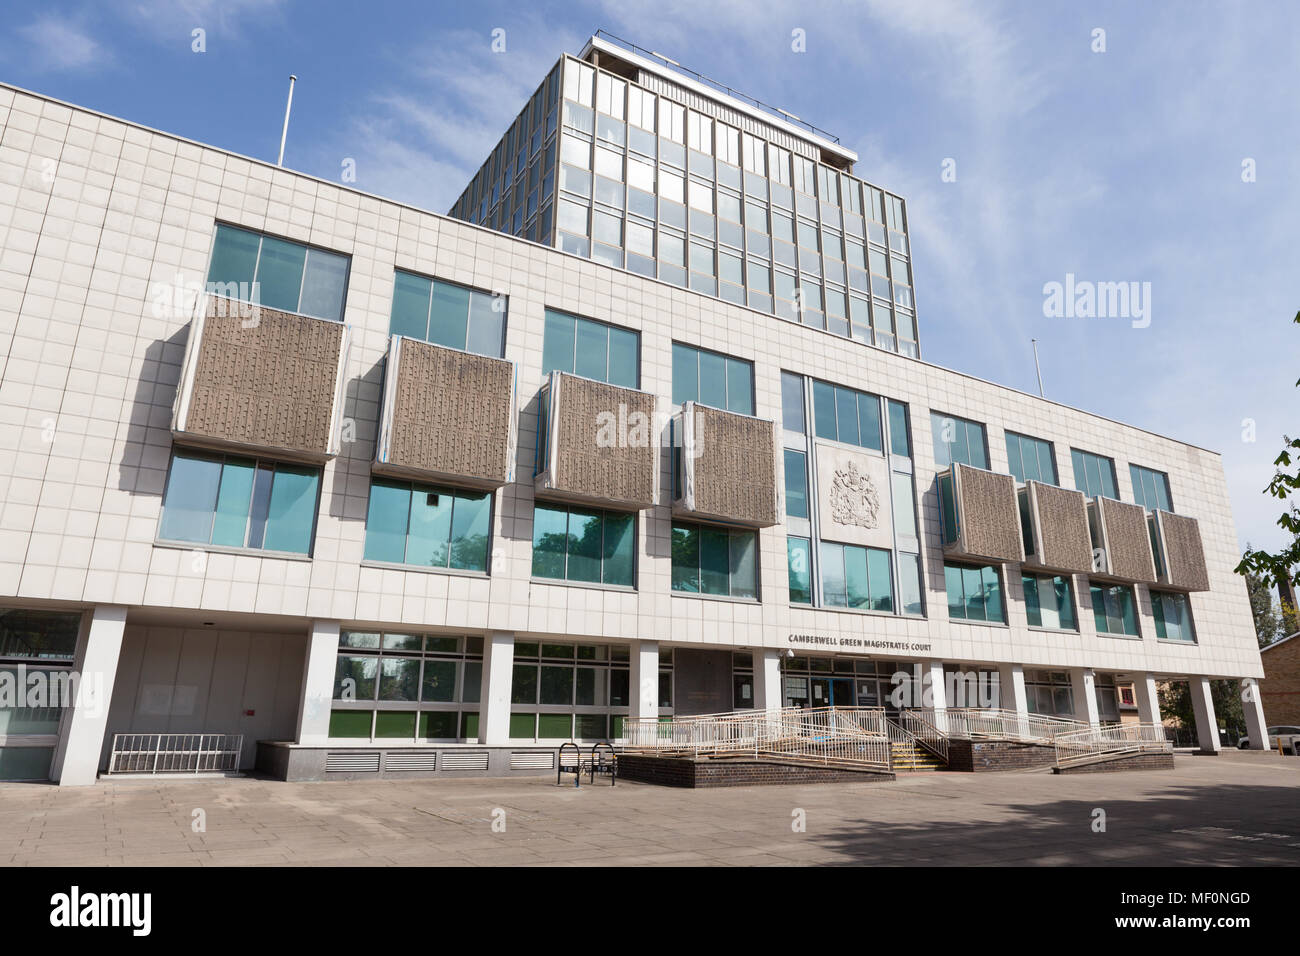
(98, 215)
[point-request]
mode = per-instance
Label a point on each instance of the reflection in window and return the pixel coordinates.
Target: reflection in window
(277, 273)
(448, 314)
(428, 527)
(582, 544)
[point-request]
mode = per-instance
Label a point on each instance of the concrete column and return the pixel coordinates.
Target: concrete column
(1253, 707)
(643, 679)
(316, 696)
(1012, 694)
(1148, 699)
(1207, 727)
(933, 671)
(1083, 684)
(494, 697)
(95, 666)
(767, 680)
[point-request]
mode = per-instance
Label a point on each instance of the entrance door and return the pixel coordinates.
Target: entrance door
(840, 691)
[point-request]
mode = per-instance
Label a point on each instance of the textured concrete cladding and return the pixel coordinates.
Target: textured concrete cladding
(264, 379)
(735, 467)
(1062, 517)
(451, 414)
(1183, 552)
(990, 514)
(1128, 541)
(605, 446)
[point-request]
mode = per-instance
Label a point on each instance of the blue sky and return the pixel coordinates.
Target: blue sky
(1124, 165)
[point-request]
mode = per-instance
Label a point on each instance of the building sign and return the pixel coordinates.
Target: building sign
(862, 644)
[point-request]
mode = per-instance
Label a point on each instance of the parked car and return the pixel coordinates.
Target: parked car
(1289, 736)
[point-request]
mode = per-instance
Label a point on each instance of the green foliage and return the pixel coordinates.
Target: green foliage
(1277, 566)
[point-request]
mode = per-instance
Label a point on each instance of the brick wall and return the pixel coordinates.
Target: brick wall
(1133, 762)
(976, 756)
(697, 774)
(1280, 688)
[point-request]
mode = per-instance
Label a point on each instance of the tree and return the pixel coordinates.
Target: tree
(1176, 702)
(1275, 567)
(1267, 615)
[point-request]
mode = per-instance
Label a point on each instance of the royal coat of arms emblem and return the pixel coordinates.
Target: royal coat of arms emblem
(854, 498)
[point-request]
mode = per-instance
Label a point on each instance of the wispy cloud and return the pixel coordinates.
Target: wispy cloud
(57, 43)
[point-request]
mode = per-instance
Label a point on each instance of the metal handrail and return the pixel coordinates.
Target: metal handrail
(1097, 743)
(848, 735)
(998, 724)
(925, 733)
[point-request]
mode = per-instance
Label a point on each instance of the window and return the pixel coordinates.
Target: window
(563, 691)
(1150, 488)
(428, 527)
(900, 441)
(34, 645)
(909, 584)
(1113, 610)
(974, 593)
(1173, 617)
(796, 483)
(712, 378)
(277, 273)
(792, 418)
(590, 349)
(717, 561)
(1049, 692)
(1093, 474)
(847, 415)
(958, 441)
(799, 556)
(582, 544)
(448, 314)
(856, 577)
(1049, 601)
(406, 686)
(1030, 459)
(239, 503)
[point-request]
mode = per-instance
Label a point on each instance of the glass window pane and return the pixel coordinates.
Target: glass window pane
(686, 558)
(190, 499)
(824, 410)
(869, 422)
(1065, 602)
(881, 576)
(399, 678)
(230, 523)
(390, 504)
(557, 685)
(855, 578)
(410, 314)
(846, 416)
(554, 726)
(971, 580)
(585, 545)
(904, 506)
(833, 583)
(792, 418)
(593, 350)
(740, 387)
(952, 579)
(430, 527)
(992, 594)
(470, 529)
(557, 342)
(799, 558)
(909, 583)
(523, 684)
(900, 442)
(355, 679)
(1032, 606)
(487, 324)
(685, 374)
(323, 285)
(449, 315)
(279, 273)
(260, 508)
(550, 541)
(234, 260)
(351, 723)
(1046, 466)
(796, 484)
(523, 726)
(623, 364)
(292, 514)
(618, 549)
(744, 564)
(715, 561)
(713, 379)
(439, 682)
